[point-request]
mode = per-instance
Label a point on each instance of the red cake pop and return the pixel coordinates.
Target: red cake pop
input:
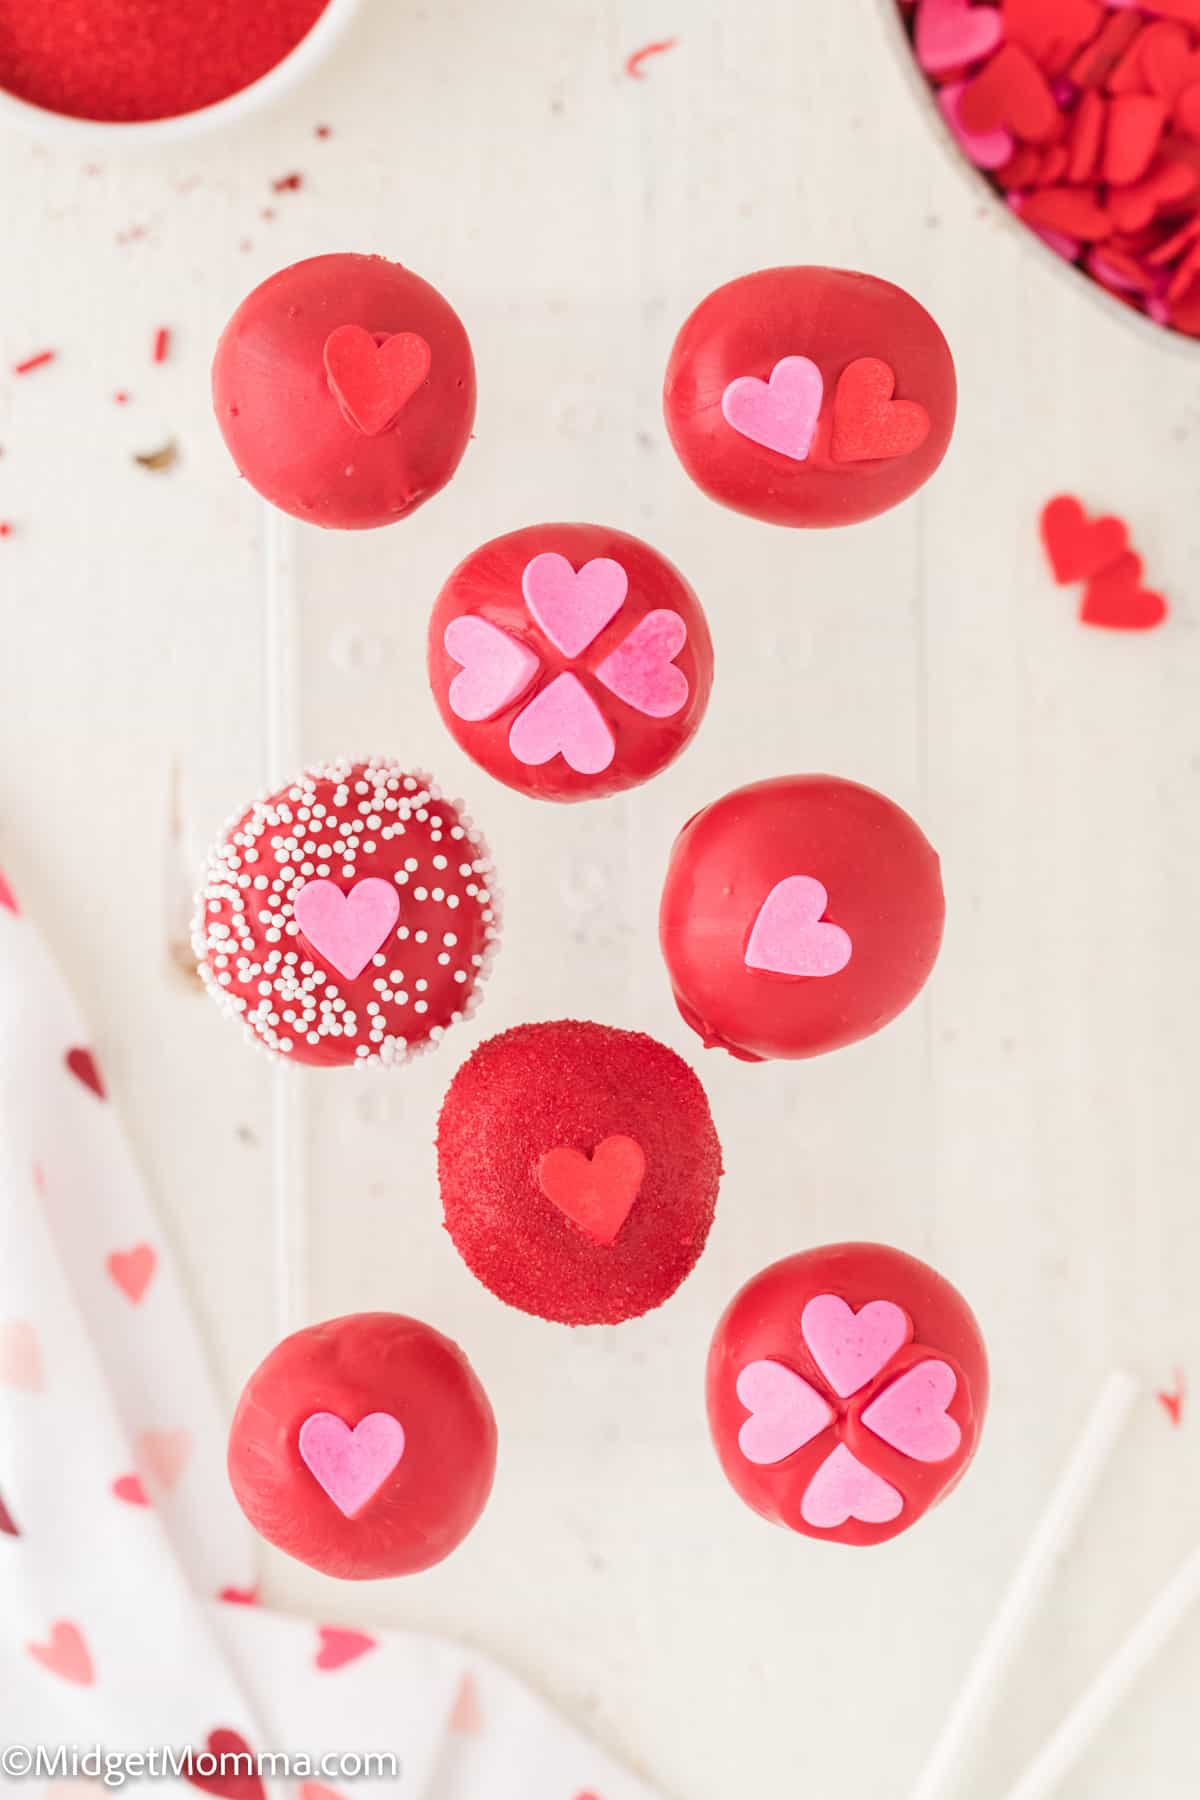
(846, 1391)
(345, 390)
(810, 396)
(579, 1170)
(364, 1447)
(570, 661)
(798, 915)
(349, 917)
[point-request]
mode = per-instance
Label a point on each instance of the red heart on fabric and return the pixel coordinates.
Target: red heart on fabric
(85, 1068)
(132, 1270)
(7, 898)
(129, 1488)
(238, 1780)
(66, 1654)
(1117, 600)
(374, 378)
(316, 1790)
(8, 1525)
(236, 1596)
(1079, 547)
(1011, 91)
(339, 1647)
(596, 1193)
(868, 424)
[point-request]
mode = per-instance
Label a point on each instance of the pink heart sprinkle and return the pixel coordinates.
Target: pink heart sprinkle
(496, 668)
(910, 1414)
(951, 33)
(843, 1488)
(351, 1466)
(850, 1348)
(642, 671)
(781, 413)
(347, 929)
(788, 937)
(573, 607)
(785, 1412)
(986, 149)
(563, 720)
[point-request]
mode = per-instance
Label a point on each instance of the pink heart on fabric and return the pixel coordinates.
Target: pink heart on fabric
(786, 1412)
(642, 671)
(66, 1654)
(850, 1348)
(844, 1488)
(573, 607)
(563, 720)
(163, 1455)
(790, 936)
(129, 1488)
(347, 929)
(351, 1466)
(782, 413)
(496, 668)
(339, 1646)
(21, 1357)
(132, 1270)
(951, 33)
(910, 1414)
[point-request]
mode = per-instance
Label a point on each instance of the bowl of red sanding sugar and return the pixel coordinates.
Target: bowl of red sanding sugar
(1084, 116)
(153, 70)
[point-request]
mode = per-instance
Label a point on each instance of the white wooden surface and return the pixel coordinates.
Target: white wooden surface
(1029, 1126)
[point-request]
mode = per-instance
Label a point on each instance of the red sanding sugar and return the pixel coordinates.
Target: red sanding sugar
(129, 60)
(1086, 117)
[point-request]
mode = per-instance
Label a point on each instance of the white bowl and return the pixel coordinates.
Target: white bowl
(63, 128)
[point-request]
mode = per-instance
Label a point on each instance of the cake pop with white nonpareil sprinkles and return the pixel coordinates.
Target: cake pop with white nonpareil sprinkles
(350, 917)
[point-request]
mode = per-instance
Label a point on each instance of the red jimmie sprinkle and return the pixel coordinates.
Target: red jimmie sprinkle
(162, 344)
(287, 184)
(1086, 117)
(129, 60)
(633, 62)
(37, 361)
(1171, 1399)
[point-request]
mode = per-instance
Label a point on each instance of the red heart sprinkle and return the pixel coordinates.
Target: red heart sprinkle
(1051, 30)
(85, 1068)
(373, 378)
(1135, 125)
(1079, 547)
(1011, 91)
(596, 1193)
(1077, 211)
(868, 424)
(1097, 59)
(1116, 599)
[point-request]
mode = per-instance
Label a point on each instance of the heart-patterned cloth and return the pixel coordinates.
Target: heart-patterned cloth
(128, 1602)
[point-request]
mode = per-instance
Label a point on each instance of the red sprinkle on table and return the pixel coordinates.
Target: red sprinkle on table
(1086, 117)
(38, 361)
(129, 60)
(1096, 552)
(287, 184)
(633, 62)
(162, 344)
(6, 529)
(1171, 1399)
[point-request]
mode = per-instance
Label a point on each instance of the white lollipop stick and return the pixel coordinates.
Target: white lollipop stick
(288, 1204)
(1033, 1575)
(1118, 1675)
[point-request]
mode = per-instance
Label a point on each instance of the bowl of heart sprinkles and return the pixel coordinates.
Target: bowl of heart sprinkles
(1085, 118)
(149, 71)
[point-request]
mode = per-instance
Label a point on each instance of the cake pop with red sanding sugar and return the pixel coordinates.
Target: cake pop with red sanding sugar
(579, 1168)
(570, 661)
(364, 1447)
(846, 1391)
(798, 915)
(810, 396)
(348, 918)
(344, 388)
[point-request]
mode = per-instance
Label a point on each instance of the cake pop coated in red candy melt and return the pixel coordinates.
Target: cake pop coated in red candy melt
(846, 1391)
(579, 1169)
(799, 914)
(364, 1447)
(345, 390)
(569, 661)
(349, 917)
(809, 396)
